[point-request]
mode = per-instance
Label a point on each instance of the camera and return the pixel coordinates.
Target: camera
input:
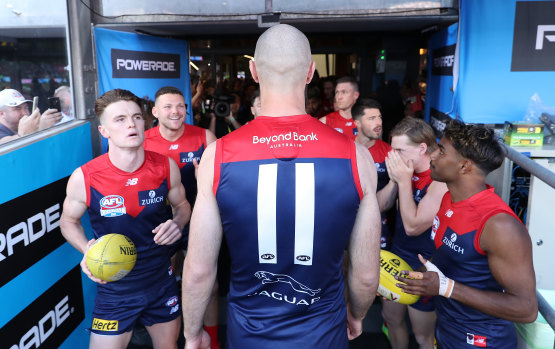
(218, 104)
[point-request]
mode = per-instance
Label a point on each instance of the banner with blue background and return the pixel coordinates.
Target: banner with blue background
(142, 64)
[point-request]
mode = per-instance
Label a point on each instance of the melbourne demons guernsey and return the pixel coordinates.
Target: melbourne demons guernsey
(408, 247)
(288, 192)
(379, 152)
(184, 150)
(340, 124)
(132, 204)
(456, 233)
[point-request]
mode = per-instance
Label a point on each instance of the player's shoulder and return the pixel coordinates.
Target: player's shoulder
(100, 163)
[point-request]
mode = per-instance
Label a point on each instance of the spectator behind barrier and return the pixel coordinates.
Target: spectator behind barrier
(15, 119)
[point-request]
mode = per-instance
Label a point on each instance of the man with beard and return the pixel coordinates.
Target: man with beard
(368, 120)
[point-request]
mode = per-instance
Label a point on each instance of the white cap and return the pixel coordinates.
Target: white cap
(11, 98)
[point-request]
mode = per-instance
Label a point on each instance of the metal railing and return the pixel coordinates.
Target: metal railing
(548, 177)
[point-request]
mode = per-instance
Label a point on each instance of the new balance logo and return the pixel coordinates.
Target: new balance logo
(131, 181)
(449, 213)
(174, 146)
(540, 35)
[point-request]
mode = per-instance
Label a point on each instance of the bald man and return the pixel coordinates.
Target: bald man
(270, 187)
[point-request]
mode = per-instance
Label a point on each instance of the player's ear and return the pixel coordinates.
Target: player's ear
(254, 73)
(155, 111)
(465, 166)
(311, 70)
(103, 131)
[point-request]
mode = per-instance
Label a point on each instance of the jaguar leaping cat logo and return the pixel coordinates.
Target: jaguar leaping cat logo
(270, 278)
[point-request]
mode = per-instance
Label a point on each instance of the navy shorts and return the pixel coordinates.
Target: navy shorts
(113, 315)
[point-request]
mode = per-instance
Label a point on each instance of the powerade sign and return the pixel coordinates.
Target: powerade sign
(144, 65)
(534, 36)
(30, 228)
(50, 319)
(442, 60)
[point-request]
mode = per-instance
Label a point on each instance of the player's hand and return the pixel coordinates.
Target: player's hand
(354, 326)
(202, 341)
(398, 170)
(167, 233)
(29, 123)
(86, 269)
(420, 283)
(195, 163)
(49, 118)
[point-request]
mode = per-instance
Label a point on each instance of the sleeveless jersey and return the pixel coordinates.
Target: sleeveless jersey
(456, 232)
(189, 146)
(340, 124)
(132, 204)
(379, 152)
(408, 247)
(288, 191)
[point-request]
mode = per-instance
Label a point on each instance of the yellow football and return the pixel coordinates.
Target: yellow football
(391, 266)
(111, 257)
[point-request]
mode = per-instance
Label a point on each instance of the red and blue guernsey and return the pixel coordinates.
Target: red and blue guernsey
(183, 151)
(379, 152)
(132, 204)
(288, 192)
(456, 232)
(408, 247)
(340, 124)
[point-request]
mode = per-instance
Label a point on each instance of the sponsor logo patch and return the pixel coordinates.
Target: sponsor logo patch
(149, 197)
(112, 206)
(172, 301)
(105, 325)
(144, 65)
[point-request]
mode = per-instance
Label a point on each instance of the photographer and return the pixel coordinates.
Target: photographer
(220, 123)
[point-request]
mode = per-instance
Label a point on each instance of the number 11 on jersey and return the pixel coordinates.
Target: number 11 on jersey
(304, 213)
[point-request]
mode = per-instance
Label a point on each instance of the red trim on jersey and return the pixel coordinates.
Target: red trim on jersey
(483, 223)
(169, 175)
(217, 165)
(354, 165)
(86, 176)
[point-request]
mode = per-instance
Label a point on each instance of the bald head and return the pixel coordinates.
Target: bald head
(282, 57)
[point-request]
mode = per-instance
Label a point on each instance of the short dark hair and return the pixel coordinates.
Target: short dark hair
(348, 79)
(114, 96)
(476, 143)
(364, 103)
(417, 130)
(167, 90)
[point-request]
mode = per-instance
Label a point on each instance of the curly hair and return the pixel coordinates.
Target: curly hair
(476, 143)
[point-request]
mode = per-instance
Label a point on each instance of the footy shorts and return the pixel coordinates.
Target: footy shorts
(113, 315)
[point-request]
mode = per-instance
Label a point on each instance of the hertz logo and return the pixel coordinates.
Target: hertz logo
(105, 325)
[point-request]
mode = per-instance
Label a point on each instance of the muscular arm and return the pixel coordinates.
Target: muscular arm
(75, 205)
(509, 250)
(387, 195)
(364, 245)
(205, 237)
(418, 218)
(180, 206)
(210, 137)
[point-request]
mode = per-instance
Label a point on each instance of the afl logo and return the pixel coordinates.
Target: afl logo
(267, 256)
(303, 258)
(172, 301)
(112, 206)
(435, 227)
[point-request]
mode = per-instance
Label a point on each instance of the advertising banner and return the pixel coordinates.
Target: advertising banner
(507, 54)
(46, 300)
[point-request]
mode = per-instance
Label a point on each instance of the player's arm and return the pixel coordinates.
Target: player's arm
(210, 137)
(364, 247)
(75, 205)
(205, 237)
(509, 251)
(387, 195)
(170, 231)
(416, 218)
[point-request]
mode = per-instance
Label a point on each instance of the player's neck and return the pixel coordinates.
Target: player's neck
(278, 103)
(127, 159)
(465, 187)
(365, 141)
(345, 113)
(171, 135)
